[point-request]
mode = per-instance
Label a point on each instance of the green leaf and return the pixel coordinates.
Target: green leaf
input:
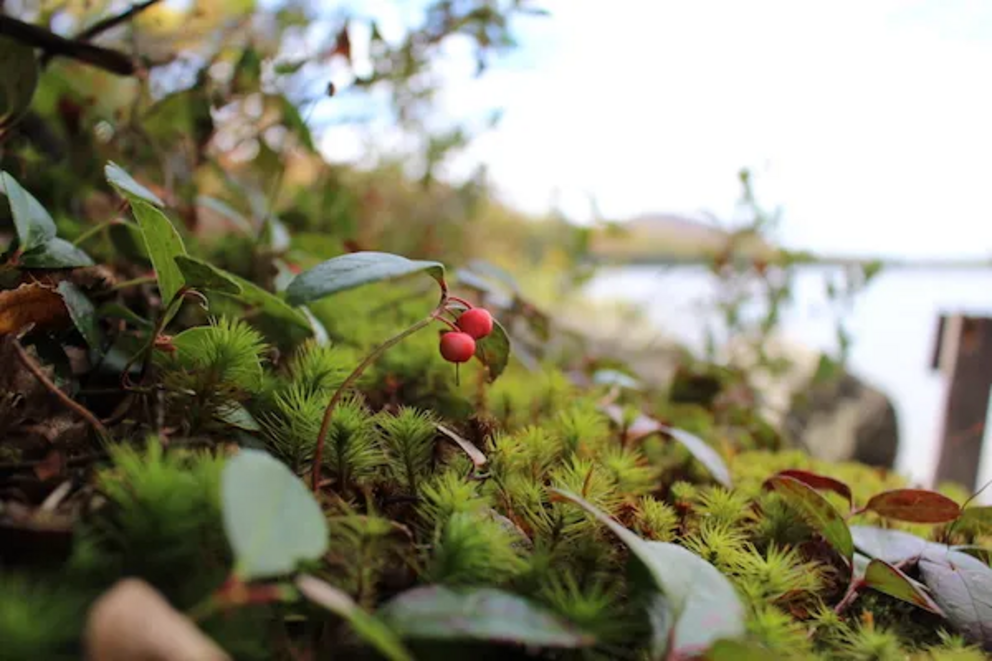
(236, 415)
(294, 122)
(367, 627)
(821, 483)
(128, 187)
(129, 242)
(643, 426)
(817, 510)
(354, 270)
(118, 311)
(892, 546)
(18, 82)
(704, 602)
(226, 210)
(703, 452)
(294, 322)
(201, 275)
(487, 615)
(247, 72)
(82, 313)
(881, 576)
(962, 586)
(914, 505)
(271, 519)
(163, 244)
(55, 254)
(494, 350)
(33, 223)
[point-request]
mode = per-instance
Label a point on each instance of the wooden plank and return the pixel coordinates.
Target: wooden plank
(966, 360)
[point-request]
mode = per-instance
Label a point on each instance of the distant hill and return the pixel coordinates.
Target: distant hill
(672, 237)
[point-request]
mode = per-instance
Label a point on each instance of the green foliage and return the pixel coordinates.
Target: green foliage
(236, 212)
(211, 368)
(474, 549)
(162, 520)
(408, 440)
(38, 619)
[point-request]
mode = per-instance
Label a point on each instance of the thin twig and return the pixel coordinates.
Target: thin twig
(100, 27)
(76, 407)
(109, 23)
(53, 44)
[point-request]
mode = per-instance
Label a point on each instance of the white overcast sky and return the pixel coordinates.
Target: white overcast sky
(869, 122)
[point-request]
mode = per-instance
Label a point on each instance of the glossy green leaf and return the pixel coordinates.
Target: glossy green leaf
(962, 586)
(881, 576)
(18, 82)
(487, 615)
(55, 254)
(892, 546)
(354, 270)
(293, 320)
(818, 512)
(271, 519)
(705, 605)
(128, 187)
(207, 277)
(33, 223)
(163, 244)
(914, 505)
(494, 350)
(366, 626)
(703, 452)
(82, 313)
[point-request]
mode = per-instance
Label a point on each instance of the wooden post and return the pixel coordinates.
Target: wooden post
(964, 356)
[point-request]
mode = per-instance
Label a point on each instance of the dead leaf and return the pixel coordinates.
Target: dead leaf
(52, 466)
(31, 303)
(133, 622)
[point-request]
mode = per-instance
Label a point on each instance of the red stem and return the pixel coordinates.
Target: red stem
(325, 424)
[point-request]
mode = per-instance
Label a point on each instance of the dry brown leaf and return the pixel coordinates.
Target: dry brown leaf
(133, 622)
(31, 303)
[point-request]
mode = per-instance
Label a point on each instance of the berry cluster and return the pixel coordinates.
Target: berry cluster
(458, 346)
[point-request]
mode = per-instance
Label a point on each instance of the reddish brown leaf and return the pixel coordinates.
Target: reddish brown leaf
(31, 304)
(51, 466)
(914, 505)
(820, 483)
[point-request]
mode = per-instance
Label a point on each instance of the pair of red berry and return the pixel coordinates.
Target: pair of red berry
(459, 346)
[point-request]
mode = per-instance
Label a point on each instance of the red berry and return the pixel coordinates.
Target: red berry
(477, 322)
(457, 347)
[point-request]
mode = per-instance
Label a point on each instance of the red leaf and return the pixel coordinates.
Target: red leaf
(821, 483)
(914, 505)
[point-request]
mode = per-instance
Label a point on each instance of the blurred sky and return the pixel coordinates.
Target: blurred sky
(870, 123)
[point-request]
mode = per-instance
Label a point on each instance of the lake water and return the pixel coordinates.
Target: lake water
(893, 322)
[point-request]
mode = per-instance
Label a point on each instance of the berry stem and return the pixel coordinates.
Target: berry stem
(458, 299)
(325, 423)
(449, 323)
